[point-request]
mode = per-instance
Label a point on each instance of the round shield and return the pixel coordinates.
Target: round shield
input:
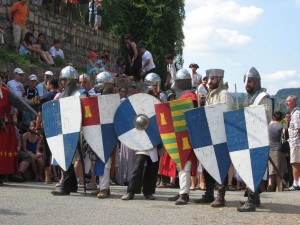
(135, 122)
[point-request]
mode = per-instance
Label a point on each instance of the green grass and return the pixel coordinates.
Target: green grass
(8, 55)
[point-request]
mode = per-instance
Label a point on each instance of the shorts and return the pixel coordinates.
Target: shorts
(25, 156)
(295, 154)
(18, 33)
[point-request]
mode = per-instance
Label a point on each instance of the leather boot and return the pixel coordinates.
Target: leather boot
(174, 198)
(220, 199)
(250, 205)
(208, 197)
(182, 200)
(60, 191)
(159, 180)
(105, 193)
(128, 196)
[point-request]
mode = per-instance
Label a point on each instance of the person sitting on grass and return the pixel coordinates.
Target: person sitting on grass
(27, 47)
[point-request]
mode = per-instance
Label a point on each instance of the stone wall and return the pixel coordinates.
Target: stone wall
(77, 39)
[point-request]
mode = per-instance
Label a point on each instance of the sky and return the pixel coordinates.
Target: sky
(239, 34)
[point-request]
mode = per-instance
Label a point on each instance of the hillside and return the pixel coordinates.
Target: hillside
(279, 97)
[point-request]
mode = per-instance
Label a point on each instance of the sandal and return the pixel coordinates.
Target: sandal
(91, 186)
(231, 188)
(171, 185)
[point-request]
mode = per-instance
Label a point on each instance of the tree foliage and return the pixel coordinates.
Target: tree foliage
(154, 23)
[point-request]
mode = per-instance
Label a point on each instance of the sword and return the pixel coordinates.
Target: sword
(18, 102)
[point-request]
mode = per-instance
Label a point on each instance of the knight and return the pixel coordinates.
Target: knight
(217, 94)
(104, 86)
(69, 80)
(8, 139)
(153, 82)
(183, 89)
(256, 95)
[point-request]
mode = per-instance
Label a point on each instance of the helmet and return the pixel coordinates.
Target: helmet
(68, 73)
(104, 78)
(182, 81)
(215, 73)
(183, 74)
(152, 79)
(252, 74)
(104, 82)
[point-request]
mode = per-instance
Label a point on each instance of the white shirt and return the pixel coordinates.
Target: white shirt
(41, 89)
(151, 152)
(16, 87)
(202, 90)
(145, 57)
(58, 52)
(173, 68)
(196, 79)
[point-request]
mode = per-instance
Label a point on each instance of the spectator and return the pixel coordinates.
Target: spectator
(41, 87)
(72, 8)
(62, 5)
(17, 15)
(196, 77)
(15, 85)
(30, 89)
(24, 160)
(133, 89)
(92, 12)
(4, 77)
(41, 44)
(286, 149)
(122, 93)
(294, 134)
(275, 133)
(172, 68)
(118, 67)
(56, 51)
(84, 7)
(91, 65)
(134, 58)
(27, 47)
(51, 85)
(30, 92)
(148, 65)
(32, 143)
(98, 18)
(202, 88)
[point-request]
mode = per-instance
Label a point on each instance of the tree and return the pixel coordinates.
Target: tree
(154, 23)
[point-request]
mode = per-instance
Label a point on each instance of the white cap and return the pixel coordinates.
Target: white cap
(19, 71)
(32, 77)
(49, 73)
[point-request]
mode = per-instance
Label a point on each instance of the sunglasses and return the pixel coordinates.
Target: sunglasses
(21, 74)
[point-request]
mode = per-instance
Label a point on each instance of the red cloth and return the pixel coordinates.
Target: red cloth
(192, 157)
(167, 165)
(8, 140)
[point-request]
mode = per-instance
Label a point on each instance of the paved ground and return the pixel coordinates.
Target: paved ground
(32, 203)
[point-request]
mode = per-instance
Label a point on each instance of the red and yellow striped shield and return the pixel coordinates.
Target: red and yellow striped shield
(173, 129)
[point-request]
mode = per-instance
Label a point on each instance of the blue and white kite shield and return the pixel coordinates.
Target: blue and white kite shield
(62, 124)
(248, 143)
(207, 134)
